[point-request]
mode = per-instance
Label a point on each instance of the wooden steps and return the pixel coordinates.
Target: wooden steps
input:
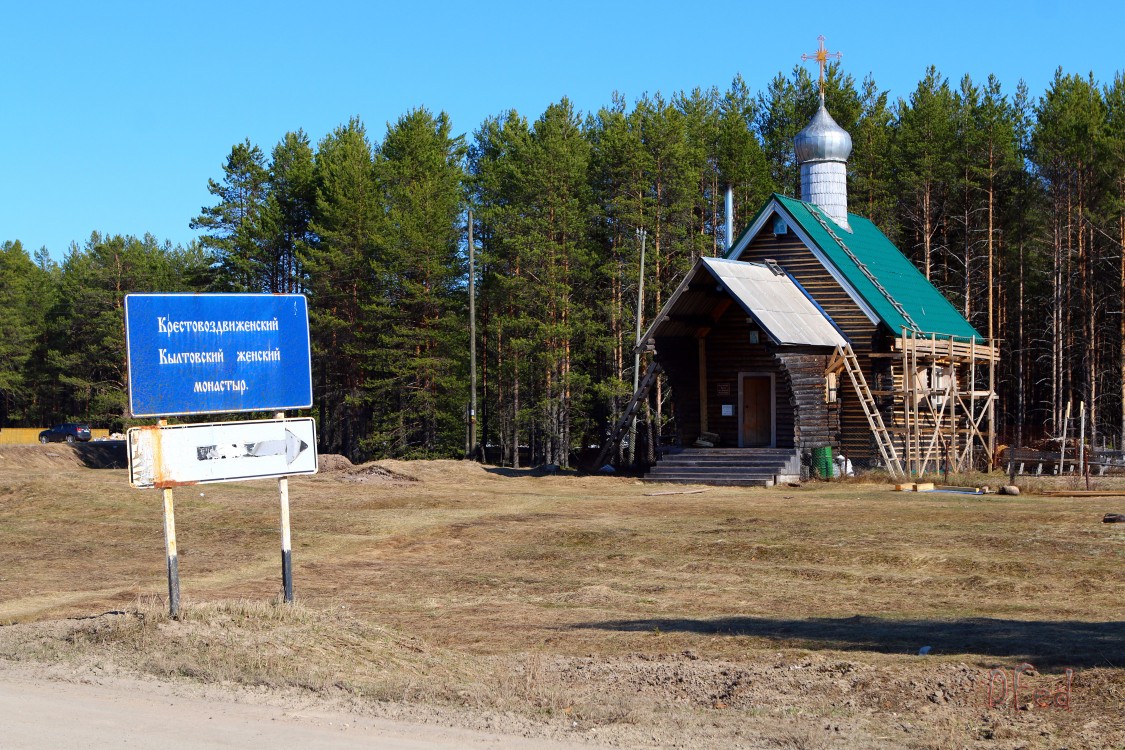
(741, 467)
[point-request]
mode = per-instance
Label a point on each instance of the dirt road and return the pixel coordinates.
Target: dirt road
(45, 714)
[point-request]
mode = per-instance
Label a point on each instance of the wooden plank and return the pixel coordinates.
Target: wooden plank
(171, 554)
(703, 384)
(972, 401)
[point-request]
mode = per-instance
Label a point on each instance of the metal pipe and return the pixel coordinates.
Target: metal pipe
(637, 347)
(472, 448)
(286, 541)
(729, 209)
(171, 555)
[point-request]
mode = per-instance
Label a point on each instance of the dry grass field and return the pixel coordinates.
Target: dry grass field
(590, 608)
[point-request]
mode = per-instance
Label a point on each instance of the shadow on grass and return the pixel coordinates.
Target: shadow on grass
(102, 454)
(1045, 644)
(504, 471)
(534, 471)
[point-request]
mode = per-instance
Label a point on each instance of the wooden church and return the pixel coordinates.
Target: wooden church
(814, 333)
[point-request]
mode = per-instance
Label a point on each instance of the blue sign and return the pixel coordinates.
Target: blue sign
(206, 353)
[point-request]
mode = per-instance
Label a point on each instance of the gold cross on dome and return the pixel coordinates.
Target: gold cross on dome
(821, 56)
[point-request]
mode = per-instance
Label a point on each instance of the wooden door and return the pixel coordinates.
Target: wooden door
(757, 411)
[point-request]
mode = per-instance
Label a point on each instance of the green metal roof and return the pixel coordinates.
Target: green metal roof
(907, 299)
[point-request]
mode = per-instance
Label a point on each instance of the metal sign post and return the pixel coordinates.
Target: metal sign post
(173, 558)
(208, 353)
(167, 456)
(170, 550)
(286, 549)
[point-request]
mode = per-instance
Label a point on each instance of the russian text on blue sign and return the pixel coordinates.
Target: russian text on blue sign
(207, 353)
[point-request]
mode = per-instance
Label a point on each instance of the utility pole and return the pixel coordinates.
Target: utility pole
(637, 349)
(472, 343)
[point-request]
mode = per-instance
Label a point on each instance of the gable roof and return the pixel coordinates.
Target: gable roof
(878, 277)
(776, 302)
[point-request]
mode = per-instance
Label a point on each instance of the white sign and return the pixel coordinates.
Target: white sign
(174, 455)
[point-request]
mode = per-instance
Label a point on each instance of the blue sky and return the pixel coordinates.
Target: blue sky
(115, 114)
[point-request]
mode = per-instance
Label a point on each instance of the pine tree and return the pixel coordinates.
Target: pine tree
(24, 298)
(841, 97)
(532, 186)
(740, 161)
(1070, 120)
(923, 150)
(341, 270)
(557, 202)
(780, 117)
(619, 165)
(701, 136)
(39, 377)
(966, 231)
(1114, 140)
(997, 166)
(86, 346)
(289, 210)
(871, 180)
(418, 383)
(235, 228)
(670, 188)
(1029, 298)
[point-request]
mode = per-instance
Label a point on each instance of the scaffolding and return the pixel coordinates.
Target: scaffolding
(943, 404)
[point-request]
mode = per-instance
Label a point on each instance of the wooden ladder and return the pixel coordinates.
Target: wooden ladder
(845, 357)
(631, 410)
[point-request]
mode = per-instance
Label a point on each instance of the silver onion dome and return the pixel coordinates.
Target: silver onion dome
(822, 140)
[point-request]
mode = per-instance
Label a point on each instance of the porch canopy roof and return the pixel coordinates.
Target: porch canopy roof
(767, 294)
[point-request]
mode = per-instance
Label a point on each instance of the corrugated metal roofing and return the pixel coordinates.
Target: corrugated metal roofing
(922, 303)
(776, 302)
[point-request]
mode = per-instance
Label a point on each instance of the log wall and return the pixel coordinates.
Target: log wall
(855, 439)
(802, 419)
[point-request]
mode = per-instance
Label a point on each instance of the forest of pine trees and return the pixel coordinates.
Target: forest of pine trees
(1013, 205)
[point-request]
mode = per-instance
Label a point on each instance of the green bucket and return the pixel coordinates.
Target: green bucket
(822, 461)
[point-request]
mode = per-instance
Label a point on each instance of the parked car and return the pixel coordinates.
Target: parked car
(70, 432)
